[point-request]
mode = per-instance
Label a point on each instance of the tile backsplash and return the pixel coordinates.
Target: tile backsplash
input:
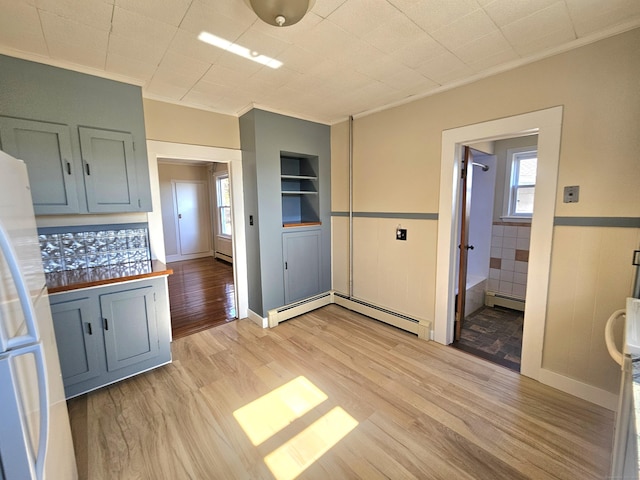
(74, 248)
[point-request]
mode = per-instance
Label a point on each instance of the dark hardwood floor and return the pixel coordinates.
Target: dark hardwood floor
(201, 294)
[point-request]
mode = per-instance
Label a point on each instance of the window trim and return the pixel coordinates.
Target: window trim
(219, 207)
(508, 213)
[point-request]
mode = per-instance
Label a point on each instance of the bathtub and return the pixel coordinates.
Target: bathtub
(476, 286)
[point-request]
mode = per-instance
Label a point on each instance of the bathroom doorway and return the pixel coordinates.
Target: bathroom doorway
(496, 206)
(547, 125)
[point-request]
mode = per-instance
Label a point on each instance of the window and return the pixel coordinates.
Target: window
(520, 189)
(224, 205)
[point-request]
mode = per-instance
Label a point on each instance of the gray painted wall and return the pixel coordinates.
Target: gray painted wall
(263, 136)
(35, 91)
(252, 232)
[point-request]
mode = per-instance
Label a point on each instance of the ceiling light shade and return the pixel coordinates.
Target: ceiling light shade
(280, 13)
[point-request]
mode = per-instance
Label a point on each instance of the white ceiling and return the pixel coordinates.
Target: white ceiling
(345, 57)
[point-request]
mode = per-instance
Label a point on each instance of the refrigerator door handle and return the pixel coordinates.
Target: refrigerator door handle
(23, 294)
(616, 354)
(10, 401)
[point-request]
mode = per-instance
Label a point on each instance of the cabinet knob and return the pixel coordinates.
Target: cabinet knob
(88, 168)
(68, 168)
(89, 329)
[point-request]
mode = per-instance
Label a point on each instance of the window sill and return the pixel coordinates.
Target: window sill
(515, 219)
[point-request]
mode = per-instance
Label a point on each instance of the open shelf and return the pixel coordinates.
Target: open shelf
(299, 190)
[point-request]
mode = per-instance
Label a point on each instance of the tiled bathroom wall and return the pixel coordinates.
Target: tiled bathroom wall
(509, 262)
(93, 246)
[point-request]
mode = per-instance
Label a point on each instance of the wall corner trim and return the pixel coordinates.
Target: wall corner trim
(257, 319)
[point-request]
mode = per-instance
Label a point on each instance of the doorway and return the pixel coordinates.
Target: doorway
(201, 288)
(547, 124)
(497, 192)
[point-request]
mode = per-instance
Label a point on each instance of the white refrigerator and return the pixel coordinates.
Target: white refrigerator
(35, 436)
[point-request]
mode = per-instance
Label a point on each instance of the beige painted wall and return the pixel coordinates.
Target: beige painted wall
(167, 173)
(397, 169)
(167, 122)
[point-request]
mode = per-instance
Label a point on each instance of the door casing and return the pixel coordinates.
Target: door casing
(547, 124)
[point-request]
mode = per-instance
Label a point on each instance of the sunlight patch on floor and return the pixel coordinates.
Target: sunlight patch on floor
(266, 416)
(293, 457)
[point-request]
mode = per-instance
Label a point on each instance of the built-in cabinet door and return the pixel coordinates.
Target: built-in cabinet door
(46, 149)
(77, 336)
(302, 273)
(109, 170)
(129, 326)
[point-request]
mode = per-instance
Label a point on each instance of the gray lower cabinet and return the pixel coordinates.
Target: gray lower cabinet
(105, 334)
(78, 345)
(302, 262)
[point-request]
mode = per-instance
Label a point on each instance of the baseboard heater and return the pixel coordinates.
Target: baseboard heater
(421, 328)
(286, 312)
(492, 299)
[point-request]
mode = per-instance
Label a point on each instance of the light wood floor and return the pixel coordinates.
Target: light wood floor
(423, 411)
(201, 295)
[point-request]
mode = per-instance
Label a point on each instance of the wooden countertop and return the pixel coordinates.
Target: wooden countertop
(93, 277)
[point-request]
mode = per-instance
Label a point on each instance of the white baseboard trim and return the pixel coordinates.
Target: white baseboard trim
(257, 319)
(281, 314)
(420, 327)
(579, 389)
(193, 256)
(222, 256)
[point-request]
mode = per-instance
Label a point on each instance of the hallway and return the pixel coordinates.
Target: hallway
(201, 295)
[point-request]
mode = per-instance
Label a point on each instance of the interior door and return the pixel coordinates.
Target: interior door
(191, 212)
(463, 246)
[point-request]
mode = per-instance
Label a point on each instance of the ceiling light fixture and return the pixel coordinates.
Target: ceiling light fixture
(239, 50)
(280, 13)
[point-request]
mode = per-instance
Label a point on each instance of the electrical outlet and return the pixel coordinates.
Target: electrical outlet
(571, 194)
(401, 234)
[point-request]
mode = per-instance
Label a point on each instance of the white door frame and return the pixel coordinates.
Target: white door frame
(547, 124)
(178, 151)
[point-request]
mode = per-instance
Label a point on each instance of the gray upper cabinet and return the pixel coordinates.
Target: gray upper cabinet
(109, 170)
(77, 134)
(46, 149)
(130, 327)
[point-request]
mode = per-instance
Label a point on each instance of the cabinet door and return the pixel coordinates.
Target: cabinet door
(77, 339)
(46, 149)
(130, 327)
(109, 171)
(302, 274)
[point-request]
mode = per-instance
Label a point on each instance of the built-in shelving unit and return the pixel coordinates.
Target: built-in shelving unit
(299, 190)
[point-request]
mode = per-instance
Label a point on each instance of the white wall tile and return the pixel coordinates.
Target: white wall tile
(494, 273)
(506, 276)
(523, 243)
(493, 284)
(510, 231)
(524, 232)
(498, 230)
(520, 278)
(505, 287)
(508, 254)
(496, 241)
(509, 242)
(521, 267)
(508, 265)
(519, 291)
(496, 252)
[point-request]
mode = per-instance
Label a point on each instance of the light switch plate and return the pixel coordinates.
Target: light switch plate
(571, 194)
